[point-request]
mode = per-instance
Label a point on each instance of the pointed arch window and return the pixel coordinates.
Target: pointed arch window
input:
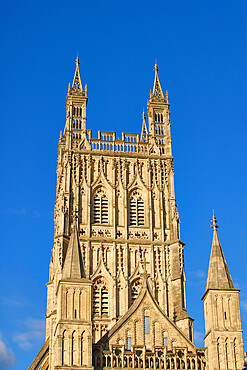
(73, 348)
(100, 208)
(136, 215)
(65, 352)
(100, 298)
(82, 349)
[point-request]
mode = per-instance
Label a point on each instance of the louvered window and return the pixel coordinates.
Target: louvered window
(100, 298)
(136, 211)
(100, 209)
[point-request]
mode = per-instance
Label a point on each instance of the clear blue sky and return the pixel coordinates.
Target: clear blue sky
(200, 47)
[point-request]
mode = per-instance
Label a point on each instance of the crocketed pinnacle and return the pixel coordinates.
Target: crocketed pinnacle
(73, 265)
(218, 273)
(157, 93)
(77, 84)
(144, 131)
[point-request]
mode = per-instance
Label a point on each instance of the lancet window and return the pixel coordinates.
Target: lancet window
(77, 111)
(65, 352)
(136, 216)
(77, 124)
(158, 117)
(159, 129)
(100, 298)
(100, 210)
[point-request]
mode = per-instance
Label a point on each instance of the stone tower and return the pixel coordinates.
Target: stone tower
(116, 293)
(223, 338)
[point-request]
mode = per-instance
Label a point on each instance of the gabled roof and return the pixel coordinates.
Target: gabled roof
(218, 273)
(73, 265)
(145, 291)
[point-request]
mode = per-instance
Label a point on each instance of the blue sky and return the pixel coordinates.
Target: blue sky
(200, 47)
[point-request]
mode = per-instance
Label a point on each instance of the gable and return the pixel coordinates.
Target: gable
(134, 325)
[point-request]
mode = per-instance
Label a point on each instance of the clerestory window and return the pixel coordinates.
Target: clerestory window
(100, 208)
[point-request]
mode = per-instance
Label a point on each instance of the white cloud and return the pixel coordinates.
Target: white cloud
(199, 274)
(16, 211)
(12, 302)
(34, 333)
(7, 357)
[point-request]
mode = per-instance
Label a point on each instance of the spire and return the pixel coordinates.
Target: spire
(218, 274)
(157, 93)
(73, 265)
(77, 84)
(144, 132)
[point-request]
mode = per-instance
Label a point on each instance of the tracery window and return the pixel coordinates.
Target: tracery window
(136, 216)
(100, 208)
(100, 298)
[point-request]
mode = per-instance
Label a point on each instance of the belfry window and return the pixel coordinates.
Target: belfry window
(100, 298)
(158, 117)
(159, 129)
(136, 210)
(100, 208)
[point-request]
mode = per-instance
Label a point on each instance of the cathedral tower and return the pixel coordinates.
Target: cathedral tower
(116, 292)
(223, 338)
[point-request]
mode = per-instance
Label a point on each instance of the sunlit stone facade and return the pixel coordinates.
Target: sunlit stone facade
(116, 291)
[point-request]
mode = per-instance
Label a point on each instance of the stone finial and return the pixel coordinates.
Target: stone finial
(214, 223)
(77, 61)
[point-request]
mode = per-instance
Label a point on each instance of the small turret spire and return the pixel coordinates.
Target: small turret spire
(218, 273)
(144, 132)
(77, 84)
(157, 93)
(73, 265)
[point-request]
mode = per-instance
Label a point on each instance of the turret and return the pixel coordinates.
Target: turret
(158, 114)
(76, 104)
(223, 338)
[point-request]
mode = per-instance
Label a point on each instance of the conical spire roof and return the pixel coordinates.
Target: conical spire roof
(157, 93)
(77, 84)
(218, 273)
(144, 132)
(73, 265)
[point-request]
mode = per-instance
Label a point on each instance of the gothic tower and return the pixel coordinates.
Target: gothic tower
(116, 291)
(223, 338)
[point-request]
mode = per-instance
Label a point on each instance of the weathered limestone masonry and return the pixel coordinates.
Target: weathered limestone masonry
(116, 292)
